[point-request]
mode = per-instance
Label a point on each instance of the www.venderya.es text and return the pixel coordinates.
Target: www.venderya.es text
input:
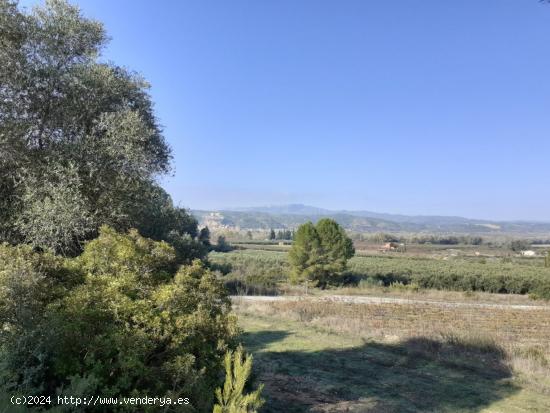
(98, 401)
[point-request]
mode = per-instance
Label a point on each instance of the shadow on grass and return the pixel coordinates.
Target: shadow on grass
(258, 340)
(418, 375)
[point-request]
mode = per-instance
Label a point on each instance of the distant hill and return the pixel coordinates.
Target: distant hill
(291, 216)
(290, 209)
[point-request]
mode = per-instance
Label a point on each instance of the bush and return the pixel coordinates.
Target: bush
(119, 320)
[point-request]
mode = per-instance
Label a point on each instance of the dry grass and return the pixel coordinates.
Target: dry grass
(508, 326)
(521, 337)
(409, 292)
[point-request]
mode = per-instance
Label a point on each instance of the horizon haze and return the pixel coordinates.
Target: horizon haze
(303, 209)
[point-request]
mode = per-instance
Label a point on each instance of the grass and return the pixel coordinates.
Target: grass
(425, 294)
(335, 357)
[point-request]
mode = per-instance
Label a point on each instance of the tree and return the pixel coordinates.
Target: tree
(320, 252)
(222, 245)
(204, 236)
(79, 141)
(519, 245)
(231, 399)
(337, 246)
(305, 254)
(272, 235)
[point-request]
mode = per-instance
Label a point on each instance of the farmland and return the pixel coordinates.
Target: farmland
(334, 357)
(436, 328)
(263, 271)
(446, 329)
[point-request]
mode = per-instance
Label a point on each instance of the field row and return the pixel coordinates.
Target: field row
(262, 271)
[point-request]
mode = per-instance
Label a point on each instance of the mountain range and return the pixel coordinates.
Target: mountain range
(292, 215)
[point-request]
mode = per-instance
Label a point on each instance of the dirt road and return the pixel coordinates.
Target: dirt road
(386, 300)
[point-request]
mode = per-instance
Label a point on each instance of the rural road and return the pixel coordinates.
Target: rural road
(385, 300)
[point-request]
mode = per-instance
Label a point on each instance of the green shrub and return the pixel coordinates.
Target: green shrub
(120, 320)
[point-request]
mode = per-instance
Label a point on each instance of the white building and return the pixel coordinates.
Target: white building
(528, 253)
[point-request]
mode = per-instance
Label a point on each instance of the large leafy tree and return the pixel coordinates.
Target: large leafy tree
(320, 252)
(79, 143)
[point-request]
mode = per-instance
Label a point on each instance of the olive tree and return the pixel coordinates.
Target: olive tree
(80, 146)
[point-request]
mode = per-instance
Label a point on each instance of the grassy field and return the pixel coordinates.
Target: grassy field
(334, 357)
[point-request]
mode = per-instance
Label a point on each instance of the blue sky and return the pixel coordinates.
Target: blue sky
(424, 107)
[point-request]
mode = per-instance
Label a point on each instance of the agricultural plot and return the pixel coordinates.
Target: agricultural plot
(255, 270)
(337, 357)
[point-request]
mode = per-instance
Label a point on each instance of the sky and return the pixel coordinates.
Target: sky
(414, 107)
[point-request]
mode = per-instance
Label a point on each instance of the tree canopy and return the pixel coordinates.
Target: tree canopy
(320, 252)
(79, 140)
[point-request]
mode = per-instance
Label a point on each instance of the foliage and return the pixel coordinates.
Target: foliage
(120, 319)
(285, 235)
(204, 237)
(79, 141)
(520, 245)
(265, 271)
(222, 245)
(417, 238)
(320, 252)
(251, 272)
(514, 277)
(29, 284)
(447, 240)
(231, 399)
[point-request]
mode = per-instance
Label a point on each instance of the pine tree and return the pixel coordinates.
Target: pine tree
(272, 234)
(231, 399)
(320, 252)
(204, 236)
(222, 245)
(305, 254)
